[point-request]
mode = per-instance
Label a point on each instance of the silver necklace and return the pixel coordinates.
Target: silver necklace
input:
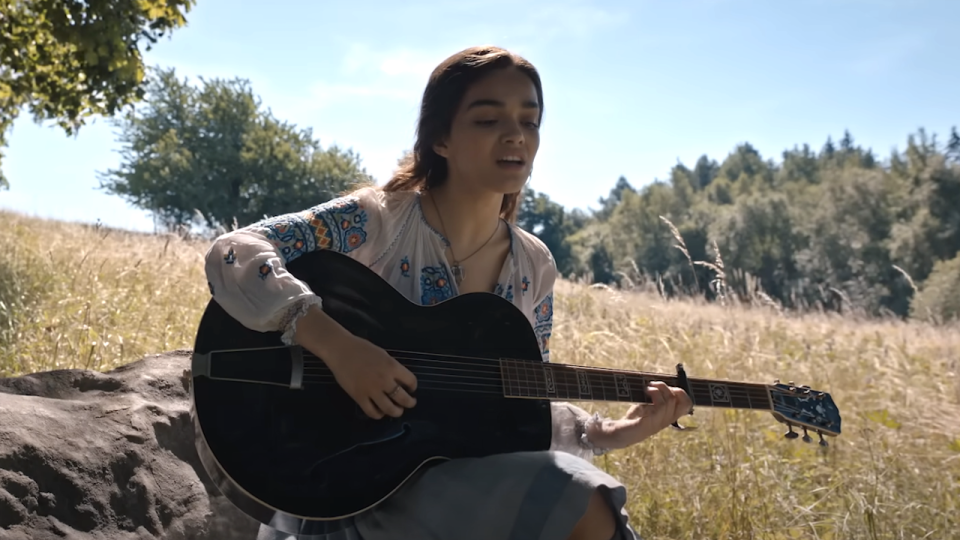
(456, 269)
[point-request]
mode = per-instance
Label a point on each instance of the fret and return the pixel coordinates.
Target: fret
(506, 378)
(526, 384)
(530, 375)
(580, 383)
(599, 380)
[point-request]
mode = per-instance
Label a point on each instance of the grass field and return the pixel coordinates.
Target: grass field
(81, 297)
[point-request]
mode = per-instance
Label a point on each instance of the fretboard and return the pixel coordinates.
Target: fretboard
(564, 382)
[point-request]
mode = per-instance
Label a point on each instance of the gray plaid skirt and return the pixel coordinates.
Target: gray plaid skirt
(526, 495)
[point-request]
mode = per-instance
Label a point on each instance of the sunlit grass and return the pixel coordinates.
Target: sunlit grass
(75, 296)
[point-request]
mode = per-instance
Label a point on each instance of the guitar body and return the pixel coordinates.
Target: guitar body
(308, 460)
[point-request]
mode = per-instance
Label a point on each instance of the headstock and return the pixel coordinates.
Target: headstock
(799, 406)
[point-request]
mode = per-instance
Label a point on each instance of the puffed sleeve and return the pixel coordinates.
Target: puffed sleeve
(246, 270)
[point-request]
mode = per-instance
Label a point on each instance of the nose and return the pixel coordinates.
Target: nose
(512, 133)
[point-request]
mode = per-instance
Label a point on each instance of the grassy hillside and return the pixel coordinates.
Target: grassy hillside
(81, 297)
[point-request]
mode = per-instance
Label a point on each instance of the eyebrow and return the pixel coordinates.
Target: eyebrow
(498, 103)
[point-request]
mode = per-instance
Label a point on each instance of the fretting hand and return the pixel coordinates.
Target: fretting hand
(644, 420)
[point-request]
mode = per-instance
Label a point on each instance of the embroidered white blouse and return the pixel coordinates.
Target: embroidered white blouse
(387, 232)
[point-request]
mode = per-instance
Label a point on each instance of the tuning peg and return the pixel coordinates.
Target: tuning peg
(791, 434)
(823, 442)
(806, 437)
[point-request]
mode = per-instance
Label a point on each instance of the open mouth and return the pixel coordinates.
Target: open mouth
(512, 162)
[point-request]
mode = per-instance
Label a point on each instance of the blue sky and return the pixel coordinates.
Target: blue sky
(630, 87)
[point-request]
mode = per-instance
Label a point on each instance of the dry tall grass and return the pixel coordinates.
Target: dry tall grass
(89, 298)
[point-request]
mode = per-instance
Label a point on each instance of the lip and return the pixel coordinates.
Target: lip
(502, 160)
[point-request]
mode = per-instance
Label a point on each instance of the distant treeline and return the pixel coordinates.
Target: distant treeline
(839, 229)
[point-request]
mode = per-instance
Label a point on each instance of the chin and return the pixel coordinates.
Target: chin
(507, 183)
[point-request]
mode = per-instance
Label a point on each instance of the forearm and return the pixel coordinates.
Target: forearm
(321, 334)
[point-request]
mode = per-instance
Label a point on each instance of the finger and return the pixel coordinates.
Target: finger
(402, 398)
(370, 409)
(668, 402)
(655, 391)
(385, 404)
(406, 378)
(684, 402)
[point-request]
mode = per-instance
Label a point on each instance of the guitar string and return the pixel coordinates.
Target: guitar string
(491, 365)
(487, 361)
(749, 391)
(530, 387)
(700, 398)
(698, 388)
(735, 390)
(498, 392)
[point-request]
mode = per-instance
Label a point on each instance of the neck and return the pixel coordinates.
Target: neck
(467, 217)
(579, 383)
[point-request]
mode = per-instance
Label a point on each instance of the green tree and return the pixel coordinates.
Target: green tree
(67, 60)
(547, 220)
(939, 296)
(213, 149)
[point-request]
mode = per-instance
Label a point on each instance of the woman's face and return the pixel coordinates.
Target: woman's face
(495, 134)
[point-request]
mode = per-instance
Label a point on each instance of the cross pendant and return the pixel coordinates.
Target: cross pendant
(457, 271)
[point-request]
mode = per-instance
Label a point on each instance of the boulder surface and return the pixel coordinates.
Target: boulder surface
(92, 455)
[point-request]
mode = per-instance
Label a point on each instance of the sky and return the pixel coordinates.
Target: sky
(631, 87)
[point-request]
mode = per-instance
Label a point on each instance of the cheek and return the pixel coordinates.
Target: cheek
(472, 145)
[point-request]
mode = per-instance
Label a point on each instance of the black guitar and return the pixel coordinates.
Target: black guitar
(289, 447)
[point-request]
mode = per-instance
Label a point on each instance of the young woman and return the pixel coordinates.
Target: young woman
(443, 226)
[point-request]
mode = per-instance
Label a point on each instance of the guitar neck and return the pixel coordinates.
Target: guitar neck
(564, 382)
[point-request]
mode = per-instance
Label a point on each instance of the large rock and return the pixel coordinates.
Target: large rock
(111, 455)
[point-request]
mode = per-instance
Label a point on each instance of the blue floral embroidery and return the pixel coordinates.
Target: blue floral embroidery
(524, 285)
(435, 285)
(405, 267)
(265, 270)
(499, 291)
(337, 224)
(543, 315)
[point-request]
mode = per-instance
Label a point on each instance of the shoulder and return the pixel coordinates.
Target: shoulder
(536, 260)
(374, 199)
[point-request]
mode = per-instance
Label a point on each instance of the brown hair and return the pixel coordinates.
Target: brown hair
(422, 168)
